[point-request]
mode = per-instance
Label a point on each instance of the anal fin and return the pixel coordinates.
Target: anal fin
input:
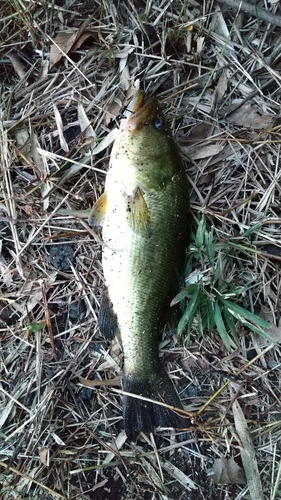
(107, 318)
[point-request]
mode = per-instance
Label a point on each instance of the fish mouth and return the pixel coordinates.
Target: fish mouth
(136, 103)
(141, 113)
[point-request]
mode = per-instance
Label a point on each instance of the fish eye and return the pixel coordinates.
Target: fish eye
(158, 122)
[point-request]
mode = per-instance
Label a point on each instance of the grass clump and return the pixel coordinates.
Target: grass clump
(212, 299)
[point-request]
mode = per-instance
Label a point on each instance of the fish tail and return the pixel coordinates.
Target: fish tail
(142, 416)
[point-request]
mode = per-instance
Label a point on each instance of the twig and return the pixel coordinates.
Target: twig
(26, 477)
(253, 10)
(48, 321)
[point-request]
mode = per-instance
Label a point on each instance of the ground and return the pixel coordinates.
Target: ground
(68, 70)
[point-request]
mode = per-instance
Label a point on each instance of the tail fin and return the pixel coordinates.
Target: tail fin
(142, 416)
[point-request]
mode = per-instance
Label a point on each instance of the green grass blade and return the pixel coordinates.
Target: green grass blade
(189, 312)
(250, 231)
(200, 233)
(221, 326)
(179, 297)
(259, 331)
(210, 314)
(210, 246)
(230, 323)
(241, 313)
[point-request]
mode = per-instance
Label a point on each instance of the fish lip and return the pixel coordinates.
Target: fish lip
(136, 103)
(141, 113)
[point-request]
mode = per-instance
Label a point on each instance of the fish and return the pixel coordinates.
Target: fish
(144, 216)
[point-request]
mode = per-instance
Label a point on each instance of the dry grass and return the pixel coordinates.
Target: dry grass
(217, 73)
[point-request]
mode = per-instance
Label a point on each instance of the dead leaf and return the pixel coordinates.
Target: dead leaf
(82, 39)
(199, 132)
(219, 26)
(40, 163)
(198, 364)
(228, 151)
(44, 456)
(227, 471)
(71, 40)
(58, 118)
(180, 476)
(247, 453)
(198, 152)
(220, 90)
(45, 191)
(17, 65)
(125, 78)
(215, 154)
(118, 442)
(33, 293)
(62, 44)
(112, 111)
(85, 123)
(123, 54)
(5, 272)
(275, 333)
(111, 136)
(23, 140)
(153, 475)
(248, 117)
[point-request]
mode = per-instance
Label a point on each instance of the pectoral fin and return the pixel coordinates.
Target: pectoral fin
(97, 215)
(137, 213)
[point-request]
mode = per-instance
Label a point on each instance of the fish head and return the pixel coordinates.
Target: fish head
(144, 153)
(144, 131)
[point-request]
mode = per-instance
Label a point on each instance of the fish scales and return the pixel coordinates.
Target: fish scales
(138, 273)
(145, 229)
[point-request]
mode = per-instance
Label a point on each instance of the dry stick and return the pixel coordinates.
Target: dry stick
(48, 320)
(253, 10)
(249, 97)
(31, 479)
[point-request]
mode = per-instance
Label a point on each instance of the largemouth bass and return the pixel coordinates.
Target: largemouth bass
(144, 216)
